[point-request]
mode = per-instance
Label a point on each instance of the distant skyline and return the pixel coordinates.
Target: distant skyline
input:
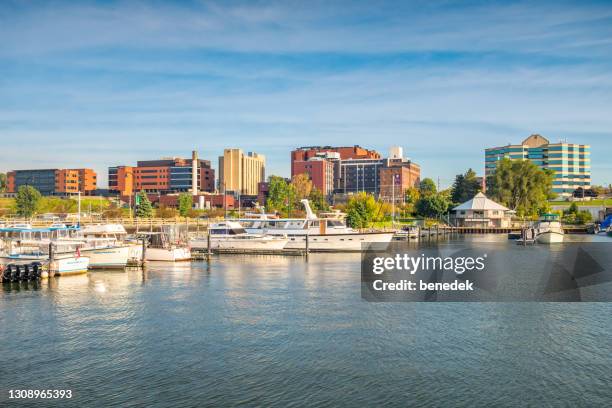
(98, 84)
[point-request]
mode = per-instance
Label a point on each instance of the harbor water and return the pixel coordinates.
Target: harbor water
(291, 331)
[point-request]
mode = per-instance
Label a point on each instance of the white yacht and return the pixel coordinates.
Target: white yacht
(323, 234)
(107, 246)
(549, 230)
(232, 235)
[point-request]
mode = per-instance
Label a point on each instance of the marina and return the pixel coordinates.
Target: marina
(307, 331)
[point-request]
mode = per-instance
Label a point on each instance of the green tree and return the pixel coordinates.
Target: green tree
(278, 191)
(362, 210)
(584, 217)
(573, 215)
(27, 201)
(2, 182)
(317, 200)
(144, 208)
(465, 187)
(412, 195)
(427, 186)
(433, 205)
(521, 186)
(185, 204)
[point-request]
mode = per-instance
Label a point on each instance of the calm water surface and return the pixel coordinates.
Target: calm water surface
(283, 331)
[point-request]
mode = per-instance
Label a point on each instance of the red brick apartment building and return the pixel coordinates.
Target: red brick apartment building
(320, 170)
(348, 170)
(164, 176)
(54, 181)
(344, 152)
(397, 177)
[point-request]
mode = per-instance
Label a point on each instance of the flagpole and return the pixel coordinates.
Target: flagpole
(393, 199)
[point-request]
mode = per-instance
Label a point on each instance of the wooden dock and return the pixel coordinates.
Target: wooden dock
(199, 255)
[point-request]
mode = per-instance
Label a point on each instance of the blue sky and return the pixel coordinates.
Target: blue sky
(104, 83)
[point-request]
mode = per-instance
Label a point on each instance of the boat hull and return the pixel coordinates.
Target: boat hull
(175, 254)
(69, 266)
(61, 265)
(550, 237)
(341, 242)
(135, 254)
(251, 244)
(107, 258)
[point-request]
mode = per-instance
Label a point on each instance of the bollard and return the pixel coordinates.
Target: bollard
(307, 245)
(208, 249)
(144, 251)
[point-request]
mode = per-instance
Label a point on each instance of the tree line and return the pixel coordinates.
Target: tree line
(519, 185)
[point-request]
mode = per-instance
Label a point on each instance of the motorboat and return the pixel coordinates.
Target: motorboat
(61, 262)
(113, 235)
(407, 232)
(549, 230)
(232, 235)
(161, 248)
(319, 234)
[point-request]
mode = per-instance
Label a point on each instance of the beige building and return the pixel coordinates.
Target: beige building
(241, 173)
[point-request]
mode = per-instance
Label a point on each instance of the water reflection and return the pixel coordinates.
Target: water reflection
(271, 331)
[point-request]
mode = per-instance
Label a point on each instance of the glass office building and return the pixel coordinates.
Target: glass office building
(570, 162)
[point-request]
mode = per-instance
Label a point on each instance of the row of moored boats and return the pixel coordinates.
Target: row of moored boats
(72, 249)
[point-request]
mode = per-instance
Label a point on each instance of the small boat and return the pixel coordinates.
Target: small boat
(407, 232)
(549, 229)
(69, 265)
(61, 264)
(231, 235)
(514, 235)
(160, 248)
(102, 237)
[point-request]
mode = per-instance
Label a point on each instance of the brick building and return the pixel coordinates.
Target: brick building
(164, 176)
(50, 182)
(349, 170)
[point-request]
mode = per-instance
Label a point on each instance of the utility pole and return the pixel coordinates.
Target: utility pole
(79, 214)
(224, 200)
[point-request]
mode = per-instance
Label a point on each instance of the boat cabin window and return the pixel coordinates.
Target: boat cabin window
(228, 231)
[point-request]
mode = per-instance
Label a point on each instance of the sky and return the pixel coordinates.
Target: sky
(98, 84)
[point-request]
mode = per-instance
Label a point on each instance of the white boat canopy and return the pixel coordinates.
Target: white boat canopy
(480, 202)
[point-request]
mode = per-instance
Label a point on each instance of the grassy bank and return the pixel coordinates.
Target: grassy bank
(57, 205)
(592, 203)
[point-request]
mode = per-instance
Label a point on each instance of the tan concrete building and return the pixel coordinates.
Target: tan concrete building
(241, 173)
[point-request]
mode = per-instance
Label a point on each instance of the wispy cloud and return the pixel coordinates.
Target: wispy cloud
(132, 80)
